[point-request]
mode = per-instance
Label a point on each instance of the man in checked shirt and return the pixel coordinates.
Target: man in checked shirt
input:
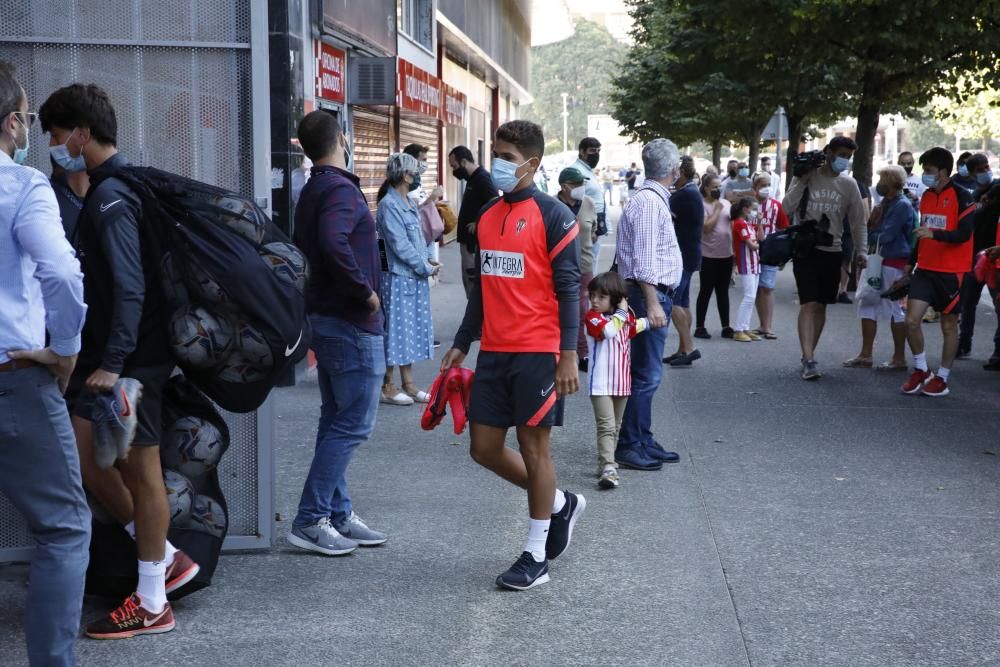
(649, 260)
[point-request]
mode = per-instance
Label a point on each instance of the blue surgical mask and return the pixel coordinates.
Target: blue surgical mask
(929, 180)
(984, 178)
(840, 165)
(743, 173)
(62, 157)
(963, 171)
(21, 154)
(504, 174)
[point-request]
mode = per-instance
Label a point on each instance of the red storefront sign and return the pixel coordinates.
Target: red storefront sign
(454, 106)
(331, 63)
(418, 90)
(424, 93)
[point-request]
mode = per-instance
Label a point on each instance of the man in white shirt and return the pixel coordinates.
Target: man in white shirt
(41, 290)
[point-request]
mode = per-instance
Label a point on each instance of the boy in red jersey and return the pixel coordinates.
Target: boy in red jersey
(525, 302)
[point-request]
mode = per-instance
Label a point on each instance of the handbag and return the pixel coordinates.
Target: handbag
(776, 249)
(431, 223)
(448, 217)
(870, 285)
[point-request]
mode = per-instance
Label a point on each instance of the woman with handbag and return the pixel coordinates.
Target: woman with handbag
(890, 228)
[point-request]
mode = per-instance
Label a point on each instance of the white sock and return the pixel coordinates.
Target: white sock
(558, 501)
(168, 553)
(152, 586)
(920, 361)
(168, 549)
(943, 373)
(538, 532)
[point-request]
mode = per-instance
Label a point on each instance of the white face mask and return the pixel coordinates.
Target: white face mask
(578, 193)
(765, 192)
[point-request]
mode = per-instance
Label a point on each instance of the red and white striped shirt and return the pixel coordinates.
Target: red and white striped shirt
(747, 259)
(610, 348)
(772, 218)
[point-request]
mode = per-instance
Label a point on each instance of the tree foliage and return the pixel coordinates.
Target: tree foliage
(582, 66)
(977, 116)
(707, 71)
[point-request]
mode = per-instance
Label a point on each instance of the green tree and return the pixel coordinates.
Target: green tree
(977, 116)
(581, 66)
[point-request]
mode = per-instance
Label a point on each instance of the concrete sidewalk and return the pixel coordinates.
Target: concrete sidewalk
(828, 523)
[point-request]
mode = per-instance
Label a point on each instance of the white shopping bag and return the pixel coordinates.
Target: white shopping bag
(870, 284)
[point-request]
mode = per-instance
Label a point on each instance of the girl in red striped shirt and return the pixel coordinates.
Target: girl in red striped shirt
(611, 325)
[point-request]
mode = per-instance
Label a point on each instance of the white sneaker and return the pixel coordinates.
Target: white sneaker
(399, 398)
(609, 478)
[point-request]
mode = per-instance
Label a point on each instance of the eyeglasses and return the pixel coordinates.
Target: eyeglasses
(29, 117)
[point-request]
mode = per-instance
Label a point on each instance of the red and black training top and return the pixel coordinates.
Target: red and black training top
(527, 293)
(948, 214)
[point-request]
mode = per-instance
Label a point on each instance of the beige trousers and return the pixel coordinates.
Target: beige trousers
(608, 411)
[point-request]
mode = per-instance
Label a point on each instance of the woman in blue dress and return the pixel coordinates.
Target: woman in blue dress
(406, 294)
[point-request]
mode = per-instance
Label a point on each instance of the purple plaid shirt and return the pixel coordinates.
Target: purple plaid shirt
(647, 249)
(335, 230)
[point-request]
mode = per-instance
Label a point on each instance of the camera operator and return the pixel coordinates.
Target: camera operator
(828, 193)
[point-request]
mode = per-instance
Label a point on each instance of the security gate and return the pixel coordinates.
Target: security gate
(189, 83)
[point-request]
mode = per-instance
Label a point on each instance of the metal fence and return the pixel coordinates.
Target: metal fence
(189, 83)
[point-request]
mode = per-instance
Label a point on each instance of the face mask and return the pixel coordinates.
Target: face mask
(767, 169)
(592, 159)
(458, 173)
(578, 193)
(416, 182)
(504, 174)
(716, 193)
(743, 172)
(984, 178)
(765, 192)
(963, 171)
(881, 190)
(62, 157)
(929, 180)
(908, 169)
(21, 154)
(840, 165)
(423, 166)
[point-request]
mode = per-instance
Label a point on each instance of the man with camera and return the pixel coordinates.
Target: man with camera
(822, 199)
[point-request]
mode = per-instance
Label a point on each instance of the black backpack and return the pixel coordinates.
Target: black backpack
(233, 283)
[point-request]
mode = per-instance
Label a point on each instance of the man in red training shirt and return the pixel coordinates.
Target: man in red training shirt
(525, 301)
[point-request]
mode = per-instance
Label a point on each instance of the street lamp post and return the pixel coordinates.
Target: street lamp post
(565, 115)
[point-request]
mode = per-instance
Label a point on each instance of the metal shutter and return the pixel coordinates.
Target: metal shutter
(371, 138)
(425, 134)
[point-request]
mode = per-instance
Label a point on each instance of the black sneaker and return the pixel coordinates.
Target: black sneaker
(437, 344)
(727, 332)
(561, 525)
(702, 332)
(963, 352)
(583, 364)
(525, 573)
(843, 298)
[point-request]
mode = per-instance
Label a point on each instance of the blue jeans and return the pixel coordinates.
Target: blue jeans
(40, 474)
(647, 369)
(351, 365)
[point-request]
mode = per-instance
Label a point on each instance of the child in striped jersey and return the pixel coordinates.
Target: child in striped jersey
(746, 257)
(610, 329)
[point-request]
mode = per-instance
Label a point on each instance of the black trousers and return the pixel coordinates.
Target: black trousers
(714, 276)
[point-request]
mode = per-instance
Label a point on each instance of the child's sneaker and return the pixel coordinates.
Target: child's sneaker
(609, 478)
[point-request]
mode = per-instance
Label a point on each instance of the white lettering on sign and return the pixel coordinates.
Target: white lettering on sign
(502, 264)
(421, 91)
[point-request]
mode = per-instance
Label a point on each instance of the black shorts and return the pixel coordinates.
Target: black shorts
(515, 389)
(153, 379)
(817, 277)
(942, 291)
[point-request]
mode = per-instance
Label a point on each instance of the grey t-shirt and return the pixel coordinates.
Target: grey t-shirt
(739, 186)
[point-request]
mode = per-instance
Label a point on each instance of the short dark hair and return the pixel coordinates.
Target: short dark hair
(963, 158)
(938, 157)
(588, 142)
(842, 142)
(462, 153)
(11, 92)
(687, 167)
(765, 158)
(524, 134)
(415, 150)
(609, 283)
(976, 161)
(738, 207)
(319, 133)
(81, 105)
(900, 156)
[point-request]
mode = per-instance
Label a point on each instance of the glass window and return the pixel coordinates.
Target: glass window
(416, 21)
